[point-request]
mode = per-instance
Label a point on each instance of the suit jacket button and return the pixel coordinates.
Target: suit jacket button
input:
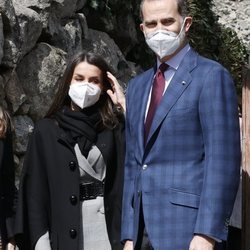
(145, 166)
(72, 233)
(72, 165)
(73, 199)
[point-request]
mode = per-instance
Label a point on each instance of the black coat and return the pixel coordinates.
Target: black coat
(51, 177)
(7, 188)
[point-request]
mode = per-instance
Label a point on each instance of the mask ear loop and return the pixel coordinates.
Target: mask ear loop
(182, 26)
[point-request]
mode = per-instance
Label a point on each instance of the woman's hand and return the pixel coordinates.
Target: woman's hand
(116, 94)
(128, 245)
(10, 246)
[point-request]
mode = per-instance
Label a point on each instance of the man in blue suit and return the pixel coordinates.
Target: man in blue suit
(183, 148)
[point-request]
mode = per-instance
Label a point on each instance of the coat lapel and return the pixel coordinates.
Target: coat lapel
(62, 138)
(177, 86)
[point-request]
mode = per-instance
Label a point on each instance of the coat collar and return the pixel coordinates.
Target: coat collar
(62, 137)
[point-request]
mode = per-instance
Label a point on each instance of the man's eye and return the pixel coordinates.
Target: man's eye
(150, 25)
(167, 22)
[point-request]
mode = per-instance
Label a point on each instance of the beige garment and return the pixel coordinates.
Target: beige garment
(43, 243)
(95, 235)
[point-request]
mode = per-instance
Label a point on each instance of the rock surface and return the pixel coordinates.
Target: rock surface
(236, 15)
(38, 36)
(36, 39)
(1, 38)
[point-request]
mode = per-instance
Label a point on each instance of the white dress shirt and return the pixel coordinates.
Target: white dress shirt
(173, 64)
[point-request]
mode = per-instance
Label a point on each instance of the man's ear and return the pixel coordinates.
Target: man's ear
(188, 24)
(142, 27)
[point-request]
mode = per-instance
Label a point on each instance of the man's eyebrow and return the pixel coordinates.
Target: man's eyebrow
(164, 19)
(150, 22)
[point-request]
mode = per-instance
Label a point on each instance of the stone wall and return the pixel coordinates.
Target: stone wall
(235, 14)
(36, 39)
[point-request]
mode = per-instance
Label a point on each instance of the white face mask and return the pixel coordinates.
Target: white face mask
(165, 43)
(84, 94)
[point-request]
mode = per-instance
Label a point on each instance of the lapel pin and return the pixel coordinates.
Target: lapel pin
(183, 83)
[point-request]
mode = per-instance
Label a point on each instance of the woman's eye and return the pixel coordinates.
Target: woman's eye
(96, 81)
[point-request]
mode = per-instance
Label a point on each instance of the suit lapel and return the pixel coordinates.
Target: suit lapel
(142, 94)
(177, 86)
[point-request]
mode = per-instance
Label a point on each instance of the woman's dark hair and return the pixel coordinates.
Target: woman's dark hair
(109, 118)
(5, 122)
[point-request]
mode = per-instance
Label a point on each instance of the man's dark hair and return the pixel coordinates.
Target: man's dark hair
(182, 7)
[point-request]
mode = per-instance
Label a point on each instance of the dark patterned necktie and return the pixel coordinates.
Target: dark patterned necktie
(156, 95)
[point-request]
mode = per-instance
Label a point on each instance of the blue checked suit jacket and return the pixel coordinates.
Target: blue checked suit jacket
(186, 177)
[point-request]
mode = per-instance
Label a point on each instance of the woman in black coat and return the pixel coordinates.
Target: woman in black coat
(71, 188)
(7, 182)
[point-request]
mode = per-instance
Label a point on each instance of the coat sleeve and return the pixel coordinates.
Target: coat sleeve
(32, 217)
(218, 111)
(113, 202)
(8, 184)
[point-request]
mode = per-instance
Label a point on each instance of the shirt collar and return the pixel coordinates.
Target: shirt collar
(175, 61)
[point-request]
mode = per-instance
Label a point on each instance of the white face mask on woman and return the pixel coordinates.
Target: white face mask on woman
(165, 43)
(84, 94)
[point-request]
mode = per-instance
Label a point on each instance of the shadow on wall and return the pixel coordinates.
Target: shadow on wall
(246, 209)
(246, 159)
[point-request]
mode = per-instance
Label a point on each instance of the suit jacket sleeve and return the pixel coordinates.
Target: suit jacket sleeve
(130, 166)
(220, 126)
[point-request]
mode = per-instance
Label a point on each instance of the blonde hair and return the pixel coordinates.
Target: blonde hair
(4, 122)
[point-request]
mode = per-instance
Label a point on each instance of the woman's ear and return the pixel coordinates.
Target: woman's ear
(104, 89)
